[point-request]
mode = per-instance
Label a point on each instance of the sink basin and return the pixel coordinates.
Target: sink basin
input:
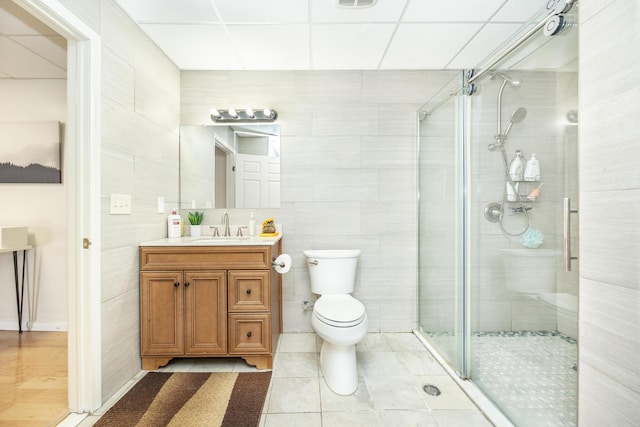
(218, 240)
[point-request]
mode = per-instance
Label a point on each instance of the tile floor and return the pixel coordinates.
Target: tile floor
(392, 367)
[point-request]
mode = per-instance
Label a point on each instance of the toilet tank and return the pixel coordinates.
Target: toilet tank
(332, 271)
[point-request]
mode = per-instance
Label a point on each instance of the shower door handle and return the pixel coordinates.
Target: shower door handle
(567, 211)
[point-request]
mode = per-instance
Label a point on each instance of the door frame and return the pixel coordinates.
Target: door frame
(82, 175)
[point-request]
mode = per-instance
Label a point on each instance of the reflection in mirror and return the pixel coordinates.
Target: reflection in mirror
(236, 166)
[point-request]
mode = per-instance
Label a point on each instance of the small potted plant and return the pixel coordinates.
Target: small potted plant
(195, 219)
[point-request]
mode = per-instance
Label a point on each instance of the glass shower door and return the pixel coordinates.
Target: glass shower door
(440, 211)
(522, 303)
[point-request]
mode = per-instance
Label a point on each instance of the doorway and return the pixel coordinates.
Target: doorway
(82, 162)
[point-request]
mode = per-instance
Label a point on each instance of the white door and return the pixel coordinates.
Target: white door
(257, 181)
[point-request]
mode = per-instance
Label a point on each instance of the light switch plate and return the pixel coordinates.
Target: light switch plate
(120, 204)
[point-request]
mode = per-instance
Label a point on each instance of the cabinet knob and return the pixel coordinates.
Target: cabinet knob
(176, 284)
(249, 334)
(186, 284)
(248, 291)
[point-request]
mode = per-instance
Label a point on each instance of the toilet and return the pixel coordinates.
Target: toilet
(338, 318)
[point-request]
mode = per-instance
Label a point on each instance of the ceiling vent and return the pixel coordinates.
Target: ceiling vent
(355, 4)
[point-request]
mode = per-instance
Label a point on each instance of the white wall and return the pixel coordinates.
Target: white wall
(609, 372)
(348, 174)
(41, 207)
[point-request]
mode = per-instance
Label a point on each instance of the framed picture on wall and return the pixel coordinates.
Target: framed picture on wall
(30, 152)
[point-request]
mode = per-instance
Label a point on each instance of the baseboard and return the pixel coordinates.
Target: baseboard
(8, 325)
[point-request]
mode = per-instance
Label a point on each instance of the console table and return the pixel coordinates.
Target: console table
(19, 283)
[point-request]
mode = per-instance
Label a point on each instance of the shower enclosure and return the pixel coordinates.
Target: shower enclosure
(498, 283)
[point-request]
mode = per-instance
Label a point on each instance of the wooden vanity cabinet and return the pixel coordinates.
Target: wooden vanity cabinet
(209, 301)
(184, 312)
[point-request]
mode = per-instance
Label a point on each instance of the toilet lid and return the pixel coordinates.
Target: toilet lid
(339, 310)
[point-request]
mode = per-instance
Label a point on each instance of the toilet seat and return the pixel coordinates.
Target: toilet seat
(341, 311)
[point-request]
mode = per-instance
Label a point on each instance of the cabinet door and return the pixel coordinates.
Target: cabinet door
(205, 312)
(249, 290)
(161, 312)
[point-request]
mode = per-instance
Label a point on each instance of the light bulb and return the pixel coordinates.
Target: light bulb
(233, 113)
(267, 113)
(250, 113)
(215, 113)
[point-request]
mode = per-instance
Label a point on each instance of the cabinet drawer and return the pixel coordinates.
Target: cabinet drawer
(249, 290)
(204, 257)
(249, 333)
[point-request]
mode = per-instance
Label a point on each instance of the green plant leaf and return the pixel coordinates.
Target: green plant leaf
(195, 218)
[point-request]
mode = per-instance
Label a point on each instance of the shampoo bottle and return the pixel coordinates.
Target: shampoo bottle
(516, 167)
(252, 224)
(532, 171)
(174, 225)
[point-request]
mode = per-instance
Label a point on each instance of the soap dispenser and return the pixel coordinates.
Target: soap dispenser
(532, 171)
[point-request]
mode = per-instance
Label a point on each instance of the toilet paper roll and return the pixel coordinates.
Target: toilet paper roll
(282, 264)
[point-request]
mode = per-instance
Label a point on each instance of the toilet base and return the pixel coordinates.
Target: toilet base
(339, 368)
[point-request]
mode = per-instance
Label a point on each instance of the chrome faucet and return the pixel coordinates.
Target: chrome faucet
(225, 221)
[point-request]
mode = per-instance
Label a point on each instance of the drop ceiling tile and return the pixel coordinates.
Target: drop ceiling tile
(451, 10)
(383, 11)
(271, 47)
(20, 62)
(349, 47)
(427, 46)
(52, 48)
(520, 11)
(195, 47)
(169, 11)
(483, 44)
(273, 11)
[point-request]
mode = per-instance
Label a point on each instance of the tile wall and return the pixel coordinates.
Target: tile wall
(348, 174)
(609, 381)
(139, 156)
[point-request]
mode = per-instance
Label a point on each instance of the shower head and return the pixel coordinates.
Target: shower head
(513, 82)
(516, 117)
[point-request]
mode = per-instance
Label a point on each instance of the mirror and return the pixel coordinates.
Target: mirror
(234, 166)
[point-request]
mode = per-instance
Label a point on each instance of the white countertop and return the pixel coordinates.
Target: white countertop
(215, 241)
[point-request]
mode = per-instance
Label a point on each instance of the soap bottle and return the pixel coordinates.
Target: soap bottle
(252, 224)
(516, 167)
(174, 224)
(532, 171)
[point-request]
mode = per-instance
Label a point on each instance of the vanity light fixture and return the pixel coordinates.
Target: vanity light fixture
(247, 115)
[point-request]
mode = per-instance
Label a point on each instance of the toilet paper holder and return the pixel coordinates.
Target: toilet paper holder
(282, 263)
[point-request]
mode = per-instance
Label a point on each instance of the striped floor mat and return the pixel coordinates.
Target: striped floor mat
(191, 399)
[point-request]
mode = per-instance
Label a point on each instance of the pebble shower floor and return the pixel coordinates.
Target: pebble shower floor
(531, 376)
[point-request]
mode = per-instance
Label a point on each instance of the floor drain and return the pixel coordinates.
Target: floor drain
(431, 390)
